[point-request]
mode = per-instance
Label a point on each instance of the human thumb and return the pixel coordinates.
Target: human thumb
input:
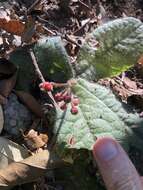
(117, 170)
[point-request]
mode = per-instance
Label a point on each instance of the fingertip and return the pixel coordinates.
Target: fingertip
(115, 166)
(102, 141)
(105, 149)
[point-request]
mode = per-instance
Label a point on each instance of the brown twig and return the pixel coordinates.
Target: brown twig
(34, 61)
(49, 31)
(85, 5)
(81, 28)
(33, 5)
(66, 37)
(60, 85)
(38, 72)
(48, 23)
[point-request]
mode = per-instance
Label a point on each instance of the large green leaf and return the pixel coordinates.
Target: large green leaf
(100, 114)
(120, 45)
(52, 59)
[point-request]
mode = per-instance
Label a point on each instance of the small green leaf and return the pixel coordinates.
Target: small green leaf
(52, 59)
(120, 46)
(100, 114)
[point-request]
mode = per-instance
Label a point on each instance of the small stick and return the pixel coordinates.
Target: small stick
(85, 5)
(33, 5)
(49, 31)
(60, 85)
(38, 72)
(48, 23)
(81, 28)
(41, 77)
(70, 40)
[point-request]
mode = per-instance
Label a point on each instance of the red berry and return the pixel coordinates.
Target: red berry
(67, 98)
(59, 97)
(46, 86)
(63, 107)
(75, 101)
(74, 110)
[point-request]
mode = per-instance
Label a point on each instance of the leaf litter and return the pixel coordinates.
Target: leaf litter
(43, 41)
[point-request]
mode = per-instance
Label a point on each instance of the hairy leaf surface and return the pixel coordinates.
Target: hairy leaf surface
(100, 114)
(120, 46)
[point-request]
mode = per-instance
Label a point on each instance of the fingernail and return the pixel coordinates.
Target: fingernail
(105, 150)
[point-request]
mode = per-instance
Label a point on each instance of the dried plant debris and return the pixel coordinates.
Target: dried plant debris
(11, 152)
(34, 140)
(24, 171)
(125, 88)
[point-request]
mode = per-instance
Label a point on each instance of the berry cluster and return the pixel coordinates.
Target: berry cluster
(64, 98)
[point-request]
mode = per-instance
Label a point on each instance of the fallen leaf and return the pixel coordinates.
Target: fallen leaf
(120, 91)
(11, 152)
(30, 102)
(130, 84)
(35, 140)
(12, 26)
(24, 171)
(7, 85)
(125, 88)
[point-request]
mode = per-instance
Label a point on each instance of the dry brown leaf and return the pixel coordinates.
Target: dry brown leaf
(30, 102)
(11, 152)
(12, 26)
(7, 85)
(126, 88)
(25, 171)
(120, 90)
(130, 84)
(35, 140)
